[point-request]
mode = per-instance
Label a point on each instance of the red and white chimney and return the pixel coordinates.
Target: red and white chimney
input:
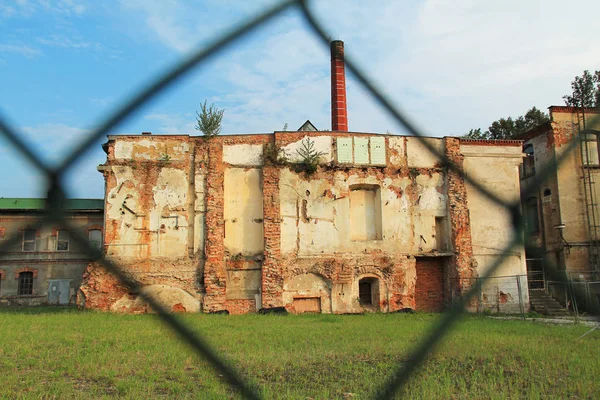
(339, 115)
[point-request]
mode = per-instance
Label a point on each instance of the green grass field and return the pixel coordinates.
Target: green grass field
(63, 353)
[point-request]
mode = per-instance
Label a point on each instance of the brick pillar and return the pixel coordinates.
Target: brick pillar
(462, 265)
(272, 279)
(339, 114)
(214, 267)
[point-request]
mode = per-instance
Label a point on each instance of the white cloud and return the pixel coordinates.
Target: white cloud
(67, 7)
(53, 141)
(20, 49)
(174, 123)
(66, 42)
(101, 101)
(450, 66)
(27, 8)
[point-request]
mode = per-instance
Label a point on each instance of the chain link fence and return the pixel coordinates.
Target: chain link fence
(499, 294)
(55, 213)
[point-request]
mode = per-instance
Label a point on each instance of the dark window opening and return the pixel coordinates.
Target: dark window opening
(364, 292)
(547, 192)
(368, 292)
(25, 284)
(533, 222)
(62, 241)
(528, 168)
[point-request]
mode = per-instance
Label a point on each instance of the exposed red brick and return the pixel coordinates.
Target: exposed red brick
(429, 289)
(178, 308)
(462, 266)
(26, 269)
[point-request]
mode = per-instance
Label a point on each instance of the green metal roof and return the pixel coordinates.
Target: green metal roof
(39, 204)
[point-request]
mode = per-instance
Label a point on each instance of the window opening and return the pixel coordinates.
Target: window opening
(365, 213)
(62, 240)
(440, 233)
(25, 284)
(589, 149)
(528, 161)
(29, 240)
(532, 216)
(95, 239)
(364, 292)
(368, 292)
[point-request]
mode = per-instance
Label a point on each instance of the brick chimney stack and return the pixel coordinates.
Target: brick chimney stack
(339, 115)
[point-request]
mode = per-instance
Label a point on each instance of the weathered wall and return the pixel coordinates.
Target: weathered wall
(155, 213)
(562, 197)
(497, 169)
(266, 233)
(571, 191)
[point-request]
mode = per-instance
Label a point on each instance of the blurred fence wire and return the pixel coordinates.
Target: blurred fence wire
(55, 213)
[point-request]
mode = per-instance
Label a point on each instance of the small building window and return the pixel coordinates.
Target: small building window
(95, 239)
(62, 240)
(29, 240)
(528, 162)
(365, 212)
(533, 222)
(589, 150)
(25, 284)
(547, 192)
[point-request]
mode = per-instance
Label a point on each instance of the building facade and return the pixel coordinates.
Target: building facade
(44, 265)
(563, 216)
(313, 221)
(221, 224)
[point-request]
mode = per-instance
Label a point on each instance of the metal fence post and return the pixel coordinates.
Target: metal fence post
(521, 305)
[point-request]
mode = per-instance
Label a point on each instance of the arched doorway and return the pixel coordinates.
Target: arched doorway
(369, 294)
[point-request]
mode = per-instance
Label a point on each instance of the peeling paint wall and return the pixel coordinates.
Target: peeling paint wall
(239, 231)
(243, 212)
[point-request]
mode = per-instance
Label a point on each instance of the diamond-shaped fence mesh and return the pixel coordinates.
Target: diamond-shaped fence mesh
(55, 213)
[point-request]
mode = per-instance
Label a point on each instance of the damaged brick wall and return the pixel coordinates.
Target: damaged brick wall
(214, 267)
(308, 252)
(462, 266)
(429, 288)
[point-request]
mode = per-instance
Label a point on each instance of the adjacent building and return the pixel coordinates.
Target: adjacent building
(563, 216)
(44, 265)
(313, 221)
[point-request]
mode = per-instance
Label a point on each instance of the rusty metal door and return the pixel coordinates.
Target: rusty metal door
(59, 291)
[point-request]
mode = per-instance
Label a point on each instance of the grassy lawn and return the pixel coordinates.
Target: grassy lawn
(62, 353)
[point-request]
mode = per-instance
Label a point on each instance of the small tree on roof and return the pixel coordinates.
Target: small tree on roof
(209, 120)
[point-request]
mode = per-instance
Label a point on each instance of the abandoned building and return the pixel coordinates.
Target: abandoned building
(563, 218)
(314, 221)
(44, 266)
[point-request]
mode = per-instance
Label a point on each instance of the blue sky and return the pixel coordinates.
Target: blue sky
(451, 65)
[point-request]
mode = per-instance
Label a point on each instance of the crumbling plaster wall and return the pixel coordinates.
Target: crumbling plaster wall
(267, 233)
(154, 214)
(497, 168)
(317, 225)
